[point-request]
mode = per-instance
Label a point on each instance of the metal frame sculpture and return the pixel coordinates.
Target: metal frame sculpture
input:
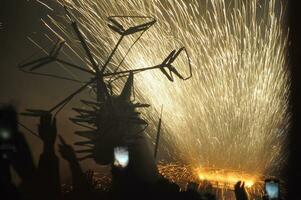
(104, 109)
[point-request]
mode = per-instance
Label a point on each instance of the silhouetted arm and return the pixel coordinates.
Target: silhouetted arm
(22, 160)
(23, 164)
(240, 191)
(48, 167)
(79, 182)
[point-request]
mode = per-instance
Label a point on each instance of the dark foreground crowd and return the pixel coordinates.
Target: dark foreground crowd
(42, 182)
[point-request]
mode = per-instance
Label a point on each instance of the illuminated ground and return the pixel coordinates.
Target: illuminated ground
(222, 181)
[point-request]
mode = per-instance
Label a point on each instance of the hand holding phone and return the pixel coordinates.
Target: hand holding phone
(272, 189)
(8, 131)
(121, 157)
(5, 134)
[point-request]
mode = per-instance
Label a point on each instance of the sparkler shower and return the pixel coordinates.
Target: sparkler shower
(233, 113)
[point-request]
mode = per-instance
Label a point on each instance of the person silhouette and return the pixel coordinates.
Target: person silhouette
(15, 153)
(48, 176)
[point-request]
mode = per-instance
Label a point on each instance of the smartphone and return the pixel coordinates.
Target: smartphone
(271, 187)
(7, 146)
(8, 129)
(5, 134)
(8, 123)
(121, 157)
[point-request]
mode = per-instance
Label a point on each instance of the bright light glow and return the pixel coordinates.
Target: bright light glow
(121, 155)
(5, 134)
(224, 177)
(233, 113)
(272, 190)
(222, 180)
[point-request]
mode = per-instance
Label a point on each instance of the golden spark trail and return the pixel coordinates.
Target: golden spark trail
(233, 114)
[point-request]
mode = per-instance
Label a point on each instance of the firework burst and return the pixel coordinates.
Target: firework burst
(233, 114)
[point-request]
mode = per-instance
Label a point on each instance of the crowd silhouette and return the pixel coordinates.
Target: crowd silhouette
(43, 181)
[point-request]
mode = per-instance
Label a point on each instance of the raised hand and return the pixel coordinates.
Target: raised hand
(66, 151)
(79, 181)
(48, 131)
(240, 191)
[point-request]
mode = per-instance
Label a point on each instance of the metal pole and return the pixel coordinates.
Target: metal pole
(158, 134)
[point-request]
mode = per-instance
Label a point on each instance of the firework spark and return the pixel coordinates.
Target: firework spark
(233, 114)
